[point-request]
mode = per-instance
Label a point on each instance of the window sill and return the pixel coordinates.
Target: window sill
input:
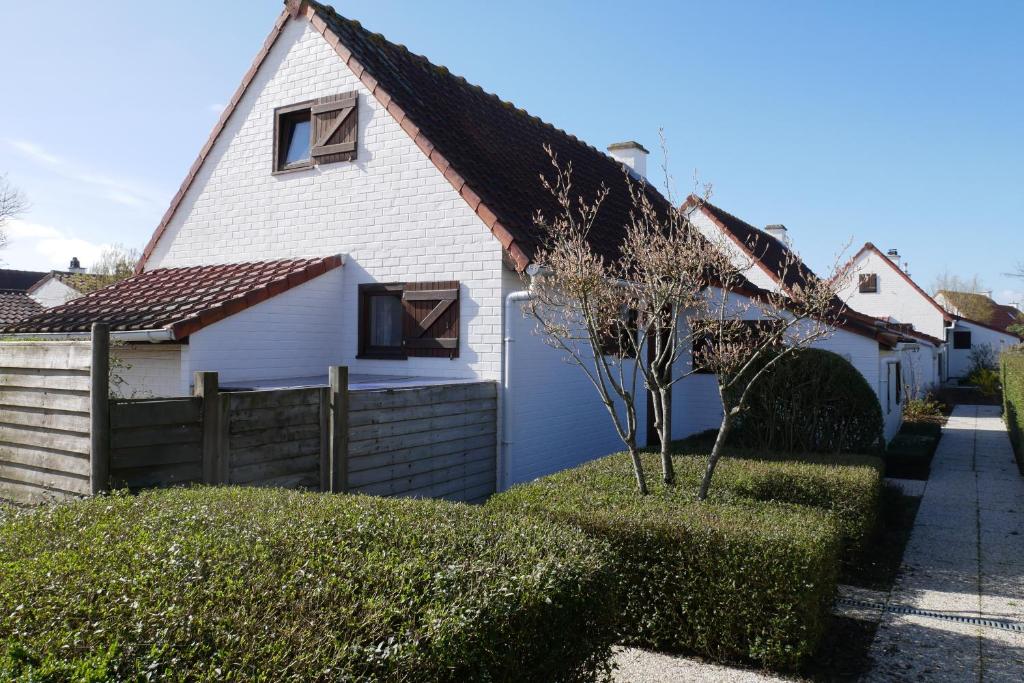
(292, 169)
(381, 356)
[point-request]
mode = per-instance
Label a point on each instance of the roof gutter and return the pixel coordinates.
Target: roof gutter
(154, 336)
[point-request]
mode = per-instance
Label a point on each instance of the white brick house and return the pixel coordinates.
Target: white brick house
(347, 182)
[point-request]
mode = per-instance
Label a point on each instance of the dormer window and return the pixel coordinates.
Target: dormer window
(317, 132)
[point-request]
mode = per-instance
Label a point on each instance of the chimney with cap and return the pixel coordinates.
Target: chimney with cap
(76, 266)
(894, 256)
(631, 154)
(779, 232)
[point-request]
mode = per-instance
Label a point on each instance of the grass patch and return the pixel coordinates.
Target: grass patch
(247, 584)
(734, 579)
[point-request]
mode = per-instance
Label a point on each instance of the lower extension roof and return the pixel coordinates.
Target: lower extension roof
(180, 301)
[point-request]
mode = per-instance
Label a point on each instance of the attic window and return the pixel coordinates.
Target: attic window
(317, 132)
(868, 283)
(292, 137)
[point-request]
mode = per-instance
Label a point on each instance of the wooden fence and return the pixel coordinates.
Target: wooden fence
(46, 397)
(62, 436)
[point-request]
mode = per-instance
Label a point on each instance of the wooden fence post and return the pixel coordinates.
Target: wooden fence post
(99, 409)
(338, 428)
(205, 386)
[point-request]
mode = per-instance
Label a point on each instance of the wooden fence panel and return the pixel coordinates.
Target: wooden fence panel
(156, 442)
(44, 421)
(274, 438)
(436, 441)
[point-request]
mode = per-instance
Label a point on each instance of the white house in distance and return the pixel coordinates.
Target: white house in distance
(357, 205)
(24, 293)
(892, 360)
(880, 286)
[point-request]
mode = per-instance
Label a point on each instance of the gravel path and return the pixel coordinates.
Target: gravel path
(964, 565)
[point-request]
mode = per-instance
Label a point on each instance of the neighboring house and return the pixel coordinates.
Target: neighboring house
(15, 303)
(880, 286)
(982, 308)
(357, 205)
(61, 286)
(894, 361)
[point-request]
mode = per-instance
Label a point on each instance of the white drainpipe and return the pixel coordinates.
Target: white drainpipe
(506, 385)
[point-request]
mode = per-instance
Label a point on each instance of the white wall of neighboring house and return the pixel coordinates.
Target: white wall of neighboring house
(53, 292)
(920, 367)
(391, 212)
(896, 298)
(960, 359)
(737, 255)
(891, 395)
(147, 371)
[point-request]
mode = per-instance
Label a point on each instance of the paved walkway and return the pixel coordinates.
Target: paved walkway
(964, 565)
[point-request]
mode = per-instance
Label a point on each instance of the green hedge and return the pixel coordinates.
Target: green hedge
(732, 579)
(1013, 399)
(909, 454)
(812, 401)
(250, 584)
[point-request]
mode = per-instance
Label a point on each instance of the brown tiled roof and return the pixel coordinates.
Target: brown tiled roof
(15, 306)
(182, 300)
(18, 280)
(1001, 318)
(490, 151)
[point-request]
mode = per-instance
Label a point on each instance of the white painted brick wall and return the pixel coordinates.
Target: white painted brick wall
(753, 271)
(391, 211)
(960, 359)
(147, 371)
(895, 298)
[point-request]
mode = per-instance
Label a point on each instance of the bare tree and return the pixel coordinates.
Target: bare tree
(116, 262)
(12, 204)
(754, 330)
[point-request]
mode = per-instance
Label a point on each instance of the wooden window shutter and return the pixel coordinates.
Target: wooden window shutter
(431, 323)
(869, 283)
(335, 128)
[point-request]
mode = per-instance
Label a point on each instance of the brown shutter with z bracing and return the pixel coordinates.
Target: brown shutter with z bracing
(335, 128)
(431, 321)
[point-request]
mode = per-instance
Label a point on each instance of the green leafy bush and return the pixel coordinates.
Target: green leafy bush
(1013, 399)
(909, 454)
(812, 401)
(732, 579)
(924, 409)
(252, 584)
(986, 380)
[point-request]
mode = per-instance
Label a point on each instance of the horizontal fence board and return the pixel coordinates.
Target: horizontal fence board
(75, 401)
(150, 477)
(132, 414)
(431, 484)
(50, 479)
(264, 418)
(37, 378)
(421, 439)
(156, 455)
(476, 494)
(254, 455)
(292, 481)
(454, 489)
(41, 437)
(157, 435)
(402, 398)
(46, 459)
(278, 468)
(275, 435)
(274, 398)
(27, 494)
(406, 469)
(48, 419)
(374, 417)
(399, 428)
(433, 450)
(58, 356)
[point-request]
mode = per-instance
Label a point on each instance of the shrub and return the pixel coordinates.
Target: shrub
(986, 380)
(813, 401)
(924, 409)
(255, 584)
(909, 454)
(1013, 399)
(730, 579)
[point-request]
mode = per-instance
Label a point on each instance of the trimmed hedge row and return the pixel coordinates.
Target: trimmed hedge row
(255, 584)
(1013, 399)
(732, 579)
(909, 454)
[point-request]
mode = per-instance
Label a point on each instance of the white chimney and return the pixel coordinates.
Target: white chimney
(779, 232)
(76, 266)
(894, 256)
(631, 154)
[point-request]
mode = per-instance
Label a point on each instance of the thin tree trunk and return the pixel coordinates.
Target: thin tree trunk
(716, 453)
(638, 467)
(668, 470)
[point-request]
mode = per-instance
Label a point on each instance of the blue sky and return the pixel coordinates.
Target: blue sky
(899, 123)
